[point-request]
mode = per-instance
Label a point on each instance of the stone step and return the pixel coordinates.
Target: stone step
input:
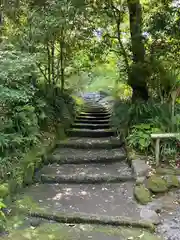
(95, 114)
(95, 121)
(91, 126)
(86, 173)
(91, 143)
(90, 133)
(101, 199)
(88, 117)
(82, 156)
(93, 109)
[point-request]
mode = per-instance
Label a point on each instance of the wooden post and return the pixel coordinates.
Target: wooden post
(157, 150)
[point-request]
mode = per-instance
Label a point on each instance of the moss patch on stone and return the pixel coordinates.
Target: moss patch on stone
(157, 184)
(54, 231)
(167, 171)
(127, 233)
(142, 194)
(27, 204)
(44, 232)
(172, 181)
(4, 190)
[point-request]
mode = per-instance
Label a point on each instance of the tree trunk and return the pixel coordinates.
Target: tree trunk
(1, 25)
(137, 74)
(62, 65)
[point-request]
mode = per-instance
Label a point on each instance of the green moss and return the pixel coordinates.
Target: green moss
(44, 232)
(28, 174)
(27, 203)
(55, 231)
(172, 181)
(142, 194)
(15, 184)
(4, 190)
(126, 233)
(167, 171)
(157, 184)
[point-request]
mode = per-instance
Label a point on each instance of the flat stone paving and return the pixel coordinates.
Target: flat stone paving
(98, 169)
(103, 199)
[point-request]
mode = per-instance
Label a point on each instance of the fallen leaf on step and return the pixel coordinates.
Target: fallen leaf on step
(140, 236)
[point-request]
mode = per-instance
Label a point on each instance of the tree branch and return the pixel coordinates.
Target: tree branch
(41, 70)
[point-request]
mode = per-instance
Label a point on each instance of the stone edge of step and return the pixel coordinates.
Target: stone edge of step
(83, 218)
(95, 145)
(87, 179)
(90, 130)
(81, 160)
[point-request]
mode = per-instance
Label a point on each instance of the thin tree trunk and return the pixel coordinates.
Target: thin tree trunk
(62, 65)
(52, 62)
(1, 25)
(48, 64)
(137, 75)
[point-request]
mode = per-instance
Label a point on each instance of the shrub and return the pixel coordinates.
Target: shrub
(26, 107)
(136, 122)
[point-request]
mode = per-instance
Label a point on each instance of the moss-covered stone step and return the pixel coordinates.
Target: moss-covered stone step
(91, 126)
(93, 121)
(86, 173)
(113, 200)
(91, 143)
(60, 231)
(94, 133)
(78, 156)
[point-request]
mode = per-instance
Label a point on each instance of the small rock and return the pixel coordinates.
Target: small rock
(157, 184)
(140, 168)
(172, 181)
(35, 222)
(150, 215)
(142, 194)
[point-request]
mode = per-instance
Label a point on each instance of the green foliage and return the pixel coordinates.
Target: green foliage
(2, 217)
(136, 122)
(139, 137)
(27, 107)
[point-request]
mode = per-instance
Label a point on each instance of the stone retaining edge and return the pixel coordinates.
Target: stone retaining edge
(82, 218)
(44, 178)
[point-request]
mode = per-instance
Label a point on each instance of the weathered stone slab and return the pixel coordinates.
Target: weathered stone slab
(102, 199)
(86, 173)
(78, 156)
(96, 133)
(91, 143)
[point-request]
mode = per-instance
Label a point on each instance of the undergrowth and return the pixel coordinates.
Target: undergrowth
(28, 108)
(136, 123)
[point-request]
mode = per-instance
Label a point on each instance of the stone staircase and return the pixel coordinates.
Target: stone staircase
(88, 173)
